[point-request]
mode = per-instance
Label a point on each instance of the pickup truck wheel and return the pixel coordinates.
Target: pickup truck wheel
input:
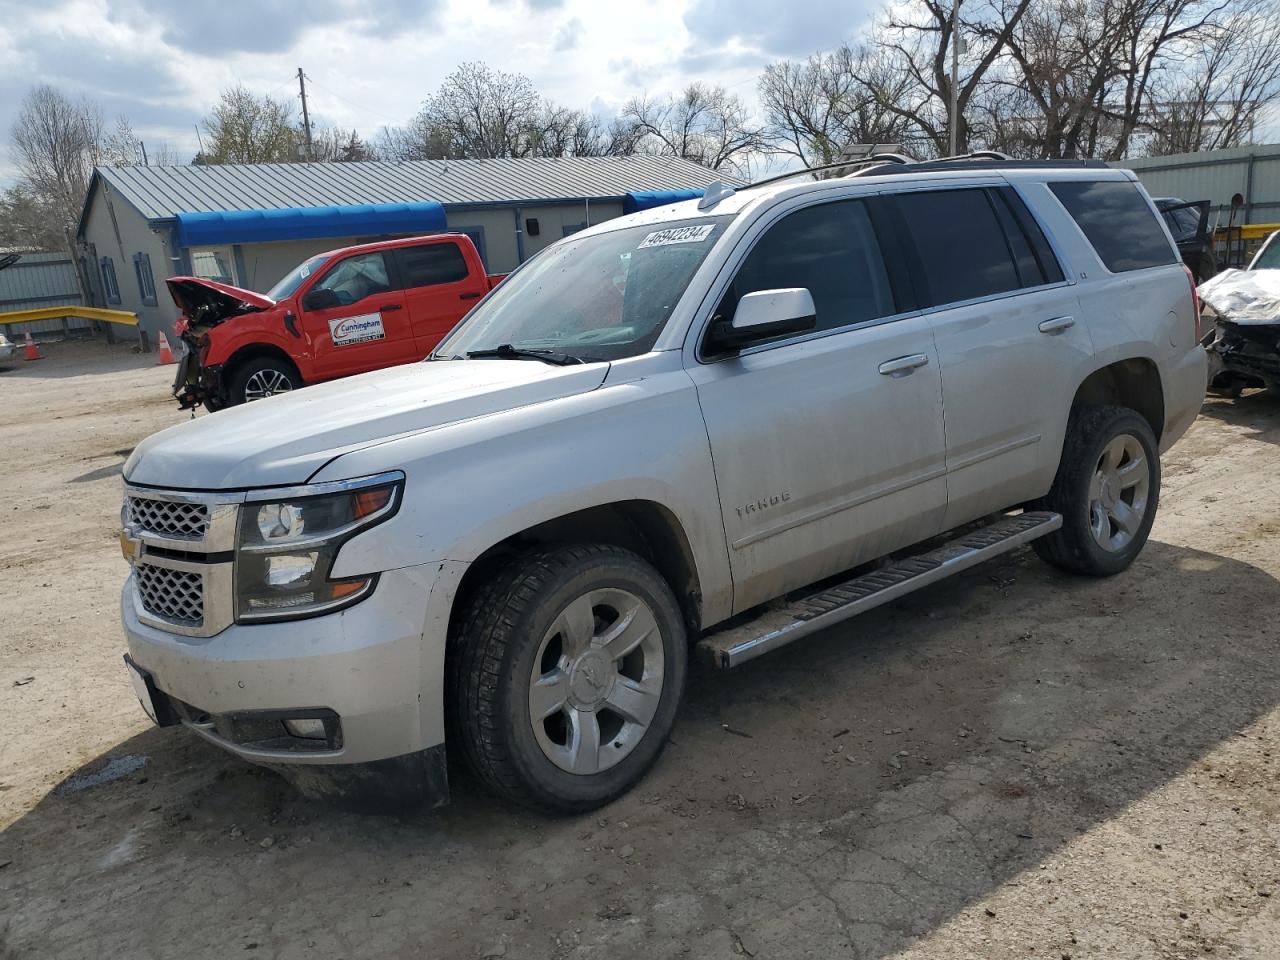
(261, 378)
(1107, 490)
(567, 675)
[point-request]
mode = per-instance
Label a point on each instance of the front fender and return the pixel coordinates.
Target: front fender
(472, 485)
(254, 331)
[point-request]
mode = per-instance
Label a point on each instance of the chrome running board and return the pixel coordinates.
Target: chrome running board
(779, 626)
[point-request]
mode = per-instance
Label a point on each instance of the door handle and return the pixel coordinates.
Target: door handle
(902, 366)
(1057, 324)
(390, 306)
(470, 296)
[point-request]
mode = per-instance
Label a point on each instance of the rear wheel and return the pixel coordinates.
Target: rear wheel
(260, 378)
(1107, 490)
(565, 680)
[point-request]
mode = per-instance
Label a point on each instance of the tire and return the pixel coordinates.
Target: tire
(1099, 537)
(520, 649)
(259, 378)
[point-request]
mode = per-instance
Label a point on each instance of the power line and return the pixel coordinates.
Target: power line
(352, 103)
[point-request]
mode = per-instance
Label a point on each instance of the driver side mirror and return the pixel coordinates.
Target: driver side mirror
(765, 315)
(319, 300)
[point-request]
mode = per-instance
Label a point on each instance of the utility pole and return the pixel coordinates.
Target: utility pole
(955, 77)
(306, 120)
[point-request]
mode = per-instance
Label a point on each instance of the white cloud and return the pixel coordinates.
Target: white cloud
(162, 62)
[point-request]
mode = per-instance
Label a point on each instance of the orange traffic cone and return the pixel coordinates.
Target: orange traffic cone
(166, 355)
(31, 351)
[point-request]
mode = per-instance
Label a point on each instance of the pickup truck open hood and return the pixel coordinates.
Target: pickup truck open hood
(285, 439)
(209, 302)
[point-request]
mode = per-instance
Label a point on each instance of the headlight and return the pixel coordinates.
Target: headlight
(286, 548)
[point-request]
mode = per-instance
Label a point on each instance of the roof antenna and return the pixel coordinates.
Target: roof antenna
(716, 192)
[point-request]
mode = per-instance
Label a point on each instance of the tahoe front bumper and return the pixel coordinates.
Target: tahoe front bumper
(372, 673)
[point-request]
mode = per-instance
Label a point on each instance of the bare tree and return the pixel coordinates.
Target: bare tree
(482, 112)
(57, 142)
(1218, 95)
(816, 108)
(1086, 78)
(706, 124)
(29, 222)
(918, 37)
(247, 128)
(331, 145)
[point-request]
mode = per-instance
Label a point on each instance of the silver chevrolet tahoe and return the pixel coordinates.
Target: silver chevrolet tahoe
(712, 428)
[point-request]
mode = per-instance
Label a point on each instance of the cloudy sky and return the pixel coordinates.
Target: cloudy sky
(372, 62)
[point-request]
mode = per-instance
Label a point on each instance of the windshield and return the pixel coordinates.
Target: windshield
(293, 279)
(601, 297)
(1269, 256)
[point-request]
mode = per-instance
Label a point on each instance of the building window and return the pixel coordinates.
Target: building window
(110, 285)
(146, 281)
(569, 229)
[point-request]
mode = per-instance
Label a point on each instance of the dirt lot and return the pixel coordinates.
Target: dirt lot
(1011, 764)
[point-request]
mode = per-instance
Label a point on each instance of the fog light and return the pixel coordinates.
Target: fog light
(307, 729)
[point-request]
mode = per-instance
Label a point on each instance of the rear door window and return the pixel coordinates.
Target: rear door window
(963, 249)
(830, 249)
(1118, 222)
(433, 264)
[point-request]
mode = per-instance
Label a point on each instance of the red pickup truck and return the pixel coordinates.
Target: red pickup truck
(339, 313)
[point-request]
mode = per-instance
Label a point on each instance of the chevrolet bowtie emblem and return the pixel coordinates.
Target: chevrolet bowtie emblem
(130, 547)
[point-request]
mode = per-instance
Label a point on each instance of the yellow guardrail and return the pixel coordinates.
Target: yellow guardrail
(1250, 231)
(57, 313)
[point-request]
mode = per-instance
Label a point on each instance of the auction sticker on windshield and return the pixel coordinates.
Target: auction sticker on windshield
(663, 238)
(358, 329)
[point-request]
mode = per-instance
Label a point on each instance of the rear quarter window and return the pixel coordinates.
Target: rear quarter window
(1118, 222)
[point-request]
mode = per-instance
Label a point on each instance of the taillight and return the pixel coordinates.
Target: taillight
(1195, 299)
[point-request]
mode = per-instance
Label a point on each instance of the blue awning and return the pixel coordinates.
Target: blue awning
(644, 199)
(308, 223)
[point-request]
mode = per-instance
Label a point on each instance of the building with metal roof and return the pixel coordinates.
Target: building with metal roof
(249, 224)
(1248, 175)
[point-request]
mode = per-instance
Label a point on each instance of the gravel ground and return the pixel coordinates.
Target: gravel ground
(1010, 764)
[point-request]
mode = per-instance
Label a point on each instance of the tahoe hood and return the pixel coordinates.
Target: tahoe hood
(283, 440)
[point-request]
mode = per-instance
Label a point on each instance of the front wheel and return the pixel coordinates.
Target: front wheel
(261, 378)
(1107, 490)
(566, 677)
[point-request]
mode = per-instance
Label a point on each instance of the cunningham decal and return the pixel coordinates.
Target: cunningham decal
(358, 329)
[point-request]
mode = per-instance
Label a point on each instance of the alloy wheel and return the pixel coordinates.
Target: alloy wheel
(1118, 493)
(266, 383)
(596, 681)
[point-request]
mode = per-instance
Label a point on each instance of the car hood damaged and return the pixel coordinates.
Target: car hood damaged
(1244, 297)
(1244, 345)
(285, 439)
(206, 303)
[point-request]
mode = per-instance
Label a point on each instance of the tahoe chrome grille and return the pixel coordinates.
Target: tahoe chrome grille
(180, 543)
(172, 594)
(176, 519)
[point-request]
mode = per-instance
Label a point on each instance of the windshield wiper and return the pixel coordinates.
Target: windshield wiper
(506, 351)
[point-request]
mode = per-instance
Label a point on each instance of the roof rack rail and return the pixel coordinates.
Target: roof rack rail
(881, 164)
(976, 155)
(983, 162)
(873, 158)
